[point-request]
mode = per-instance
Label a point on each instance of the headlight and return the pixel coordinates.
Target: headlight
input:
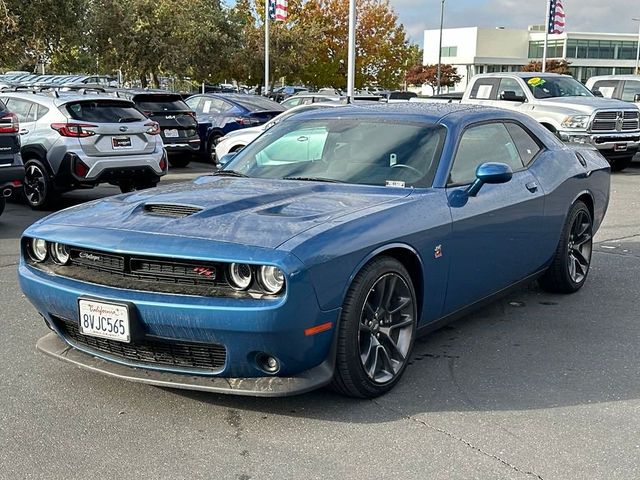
(38, 249)
(271, 279)
(240, 275)
(576, 121)
(60, 253)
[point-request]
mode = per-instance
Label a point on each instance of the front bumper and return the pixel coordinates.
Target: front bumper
(611, 142)
(306, 381)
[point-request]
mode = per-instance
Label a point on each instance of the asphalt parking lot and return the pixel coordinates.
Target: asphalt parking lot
(534, 386)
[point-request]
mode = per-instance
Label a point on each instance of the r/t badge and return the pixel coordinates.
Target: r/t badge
(437, 252)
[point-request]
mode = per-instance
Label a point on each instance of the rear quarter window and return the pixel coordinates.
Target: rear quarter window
(485, 89)
(101, 111)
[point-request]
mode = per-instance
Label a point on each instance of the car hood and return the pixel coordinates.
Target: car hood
(249, 211)
(586, 104)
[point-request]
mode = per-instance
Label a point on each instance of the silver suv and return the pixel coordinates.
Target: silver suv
(72, 141)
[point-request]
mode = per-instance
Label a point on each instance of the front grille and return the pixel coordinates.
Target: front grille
(97, 260)
(150, 351)
(171, 210)
(185, 273)
(616, 121)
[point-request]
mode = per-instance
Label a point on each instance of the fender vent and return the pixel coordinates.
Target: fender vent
(171, 210)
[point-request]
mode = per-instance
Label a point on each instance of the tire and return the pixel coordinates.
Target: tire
(570, 265)
(619, 163)
(127, 186)
(374, 342)
(179, 162)
(211, 148)
(38, 189)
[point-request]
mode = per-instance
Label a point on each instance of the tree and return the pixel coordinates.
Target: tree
(428, 74)
(553, 66)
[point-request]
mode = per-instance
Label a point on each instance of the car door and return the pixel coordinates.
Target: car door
(630, 90)
(26, 112)
(494, 234)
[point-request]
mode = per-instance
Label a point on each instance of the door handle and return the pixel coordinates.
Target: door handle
(532, 186)
(303, 138)
(24, 131)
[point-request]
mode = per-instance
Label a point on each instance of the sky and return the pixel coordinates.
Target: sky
(582, 15)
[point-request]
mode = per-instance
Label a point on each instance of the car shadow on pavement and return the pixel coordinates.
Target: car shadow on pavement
(530, 350)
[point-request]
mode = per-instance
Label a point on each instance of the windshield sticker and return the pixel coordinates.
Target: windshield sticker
(393, 159)
(536, 81)
(484, 92)
(395, 183)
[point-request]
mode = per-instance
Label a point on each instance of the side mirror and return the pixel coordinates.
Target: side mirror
(597, 93)
(510, 96)
(636, 98)
(225, 159)
(490, 172)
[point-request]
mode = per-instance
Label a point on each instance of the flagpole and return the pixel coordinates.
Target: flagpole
(266, 47)
(546, 36)
(351, 60)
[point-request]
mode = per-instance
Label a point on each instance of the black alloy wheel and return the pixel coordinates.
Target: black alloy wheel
(571, 262)
(38, 189)
(377, 330)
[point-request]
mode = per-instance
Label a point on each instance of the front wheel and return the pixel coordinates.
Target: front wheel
(211, 148)
(38, 187)
(619, 163)
(572, 259)
(377, 330)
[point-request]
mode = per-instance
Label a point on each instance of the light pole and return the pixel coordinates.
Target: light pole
(638, 52)
(351, 60)
(440, 46)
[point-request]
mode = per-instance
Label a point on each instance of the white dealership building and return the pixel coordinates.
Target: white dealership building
(476, 50)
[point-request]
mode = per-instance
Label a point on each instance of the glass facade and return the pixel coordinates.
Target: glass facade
(603, 49)
(555, 49)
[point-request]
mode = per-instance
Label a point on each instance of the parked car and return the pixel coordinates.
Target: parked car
(307, 99)
(178, 125)
(238, 139)
(565, 107)
(72, 141)
(219, 114)
(11, 168)
(296, 267)
(621, 87)
(281, 93)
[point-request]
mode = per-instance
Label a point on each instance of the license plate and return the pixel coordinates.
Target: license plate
(620, 147)
(121, 142)
(171, 133)
(104, 320)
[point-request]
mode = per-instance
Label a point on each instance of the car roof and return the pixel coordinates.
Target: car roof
(522, 75)
(64, 98)
(614, 77)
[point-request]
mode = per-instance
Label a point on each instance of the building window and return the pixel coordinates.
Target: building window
(602, 49)
(555, 49)
(449, 51)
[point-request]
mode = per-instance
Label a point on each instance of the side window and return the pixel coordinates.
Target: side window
(485, 143)
(630, 90)
(527, 147)
(510, 85)
(292, 102)
(485, 89)
(194, 104)
(605, 87)
(22, 109)
(41, 111)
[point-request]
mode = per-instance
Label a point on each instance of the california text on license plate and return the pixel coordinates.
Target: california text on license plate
(121, 142)
(171, 133)
(105, 320)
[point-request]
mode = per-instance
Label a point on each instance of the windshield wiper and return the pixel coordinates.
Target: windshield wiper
(229, 173)
(314, 179)
(128, 119)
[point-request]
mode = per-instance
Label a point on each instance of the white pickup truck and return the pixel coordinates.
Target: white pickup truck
(565, 107)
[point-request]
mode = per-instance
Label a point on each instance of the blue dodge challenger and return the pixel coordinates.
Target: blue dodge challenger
(319, 253)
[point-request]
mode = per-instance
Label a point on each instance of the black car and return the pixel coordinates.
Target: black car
(178, 125)
(11, 167)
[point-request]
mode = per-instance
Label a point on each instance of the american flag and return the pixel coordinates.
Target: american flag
(556, 17)
(278, 10)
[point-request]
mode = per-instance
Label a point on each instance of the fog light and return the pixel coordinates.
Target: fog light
(267, 363)
(240, 275)
(38, 249)
(60, 253)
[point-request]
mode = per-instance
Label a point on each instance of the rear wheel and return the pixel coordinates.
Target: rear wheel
(572, 259)
(179, 162)
(38, 187)
(211, 148)
(377, 330)
(619, 163)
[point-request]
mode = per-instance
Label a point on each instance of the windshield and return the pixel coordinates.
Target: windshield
(352, 150)
(552, 87)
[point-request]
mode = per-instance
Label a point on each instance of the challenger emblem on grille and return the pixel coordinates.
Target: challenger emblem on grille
(619, 121)
(205, 272)
(90, 256)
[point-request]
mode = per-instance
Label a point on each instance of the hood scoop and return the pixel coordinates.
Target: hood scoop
(171, 210)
